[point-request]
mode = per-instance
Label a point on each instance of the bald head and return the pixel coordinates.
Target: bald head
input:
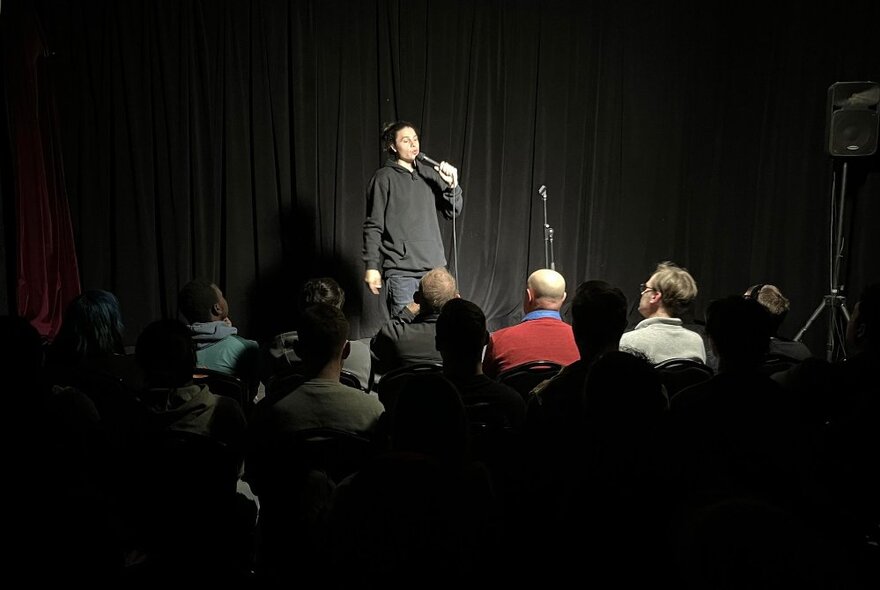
(545, 290)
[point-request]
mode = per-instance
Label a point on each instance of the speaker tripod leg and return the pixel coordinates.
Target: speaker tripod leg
(810, 321)
(832, 325)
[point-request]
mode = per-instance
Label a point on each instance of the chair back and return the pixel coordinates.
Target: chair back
(527, 376)
(294, 478)
(224, 384)
(181, 492)
(346, 377)
(285, 381)
(774, 363)
(392, 383)
(678, 373)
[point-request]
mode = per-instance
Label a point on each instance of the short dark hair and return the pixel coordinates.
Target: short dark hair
(461, 329)
(323, 331)
(321, 290)
(196, 300)
(598, 313)
(389, 134)
(739, 328)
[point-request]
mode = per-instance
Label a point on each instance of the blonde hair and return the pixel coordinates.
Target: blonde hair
(676, 286)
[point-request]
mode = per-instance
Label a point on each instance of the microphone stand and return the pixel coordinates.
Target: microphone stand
(543, 192)
(549, 261)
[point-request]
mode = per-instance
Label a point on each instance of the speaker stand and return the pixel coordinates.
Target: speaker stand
(834, 302)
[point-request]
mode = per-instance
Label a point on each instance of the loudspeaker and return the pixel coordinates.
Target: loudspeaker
(851, 126)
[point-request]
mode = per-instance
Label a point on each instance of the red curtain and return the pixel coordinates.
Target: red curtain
(47, 274)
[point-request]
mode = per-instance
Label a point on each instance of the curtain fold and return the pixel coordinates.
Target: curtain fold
(46, 265)
(235, 140)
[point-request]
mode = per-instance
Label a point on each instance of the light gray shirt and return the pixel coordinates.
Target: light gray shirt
(664, 338)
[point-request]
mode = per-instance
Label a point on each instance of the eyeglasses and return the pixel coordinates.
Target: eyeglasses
(643, 287)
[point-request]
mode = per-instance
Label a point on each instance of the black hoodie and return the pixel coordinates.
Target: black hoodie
(401, 233)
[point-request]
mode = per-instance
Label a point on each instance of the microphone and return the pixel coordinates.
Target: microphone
(543, 191)
(427, 160)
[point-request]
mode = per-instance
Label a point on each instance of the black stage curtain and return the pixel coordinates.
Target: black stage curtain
(234, 139)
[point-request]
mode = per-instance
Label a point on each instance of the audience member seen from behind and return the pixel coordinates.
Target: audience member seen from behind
(282, 353)
(598, 313)
(778, 305)
(423, 509)
(410, 338)
(739, 432)
(542, 335)
(555, 418)
(279, 464)
(322, 401)
(203, 462)
(58, 468)
(849, 438)
(91, 340)
(664, 297)
(461, 337)
(218, 345)
(617, 488)
(166, 353)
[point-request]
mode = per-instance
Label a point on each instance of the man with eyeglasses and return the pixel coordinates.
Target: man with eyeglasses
(663, 299)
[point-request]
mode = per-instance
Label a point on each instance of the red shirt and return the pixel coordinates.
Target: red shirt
(540, 339)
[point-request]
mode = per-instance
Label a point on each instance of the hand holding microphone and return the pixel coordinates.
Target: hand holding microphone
(448, 172)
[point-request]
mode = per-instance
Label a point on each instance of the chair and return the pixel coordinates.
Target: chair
(294, 478)
(678, 373)
(285, 381)
(346, 377)
(527, 376)
(775, 363)
(224, 384)
(392, 382)
(180, 495)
